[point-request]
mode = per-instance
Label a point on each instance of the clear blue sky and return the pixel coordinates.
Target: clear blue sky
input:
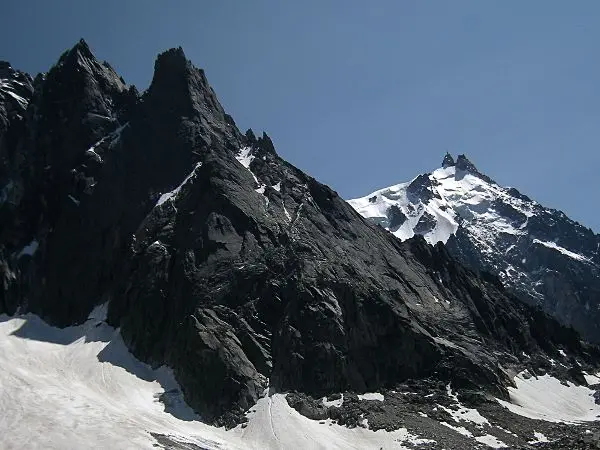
(362, 95)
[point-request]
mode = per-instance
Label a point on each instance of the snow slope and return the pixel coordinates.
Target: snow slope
(546, 398)
(79, 387)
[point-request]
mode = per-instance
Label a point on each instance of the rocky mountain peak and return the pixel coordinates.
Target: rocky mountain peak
(80, 50)
(464, 164)
(5, 69)
(80, 61)
(173, 59)
(448, 161)
(180, 88)
(79, 73)
(78, 102)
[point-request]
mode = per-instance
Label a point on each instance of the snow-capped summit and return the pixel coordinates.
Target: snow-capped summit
(539, 252)
(435, 204)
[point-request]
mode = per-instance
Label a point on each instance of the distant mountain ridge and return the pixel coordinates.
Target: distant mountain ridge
(539, 253)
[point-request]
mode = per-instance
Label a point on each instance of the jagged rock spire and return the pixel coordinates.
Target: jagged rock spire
(5, 69)
(448, 161)
(85, 77)
(463, 163)
(181, 88)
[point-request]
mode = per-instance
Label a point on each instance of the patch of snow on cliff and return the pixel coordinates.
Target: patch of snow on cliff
(29, 249)
(245, 157)
(564, 251)
(22, 102)
(172, 195)
(539, 438)
(7, 87)
(491, 441)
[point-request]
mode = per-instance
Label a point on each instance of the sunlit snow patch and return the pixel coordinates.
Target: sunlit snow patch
(591, 379)
(114, 137)
(539, 438)
(337, 403)
(371, 396)
(461, 412)
(487, 439)
(22, 102)
(275, 425)
(245, 157)
(546, 398)
(491, 441)
(6, 87)
(172, 195)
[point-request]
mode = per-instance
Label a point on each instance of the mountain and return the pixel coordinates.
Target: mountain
(539, 253)
(151, 253)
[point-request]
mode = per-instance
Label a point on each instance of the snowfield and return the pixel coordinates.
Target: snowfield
(79, 387)
(546, 398)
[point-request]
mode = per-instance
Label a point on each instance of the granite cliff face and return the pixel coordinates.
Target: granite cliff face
(221, 260)
(539, 253)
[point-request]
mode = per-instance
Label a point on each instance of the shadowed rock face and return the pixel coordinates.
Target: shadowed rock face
(396, 217)
(227, 263)
(16, 90)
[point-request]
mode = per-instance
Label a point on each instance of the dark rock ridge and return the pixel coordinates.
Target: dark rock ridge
(225, 262)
